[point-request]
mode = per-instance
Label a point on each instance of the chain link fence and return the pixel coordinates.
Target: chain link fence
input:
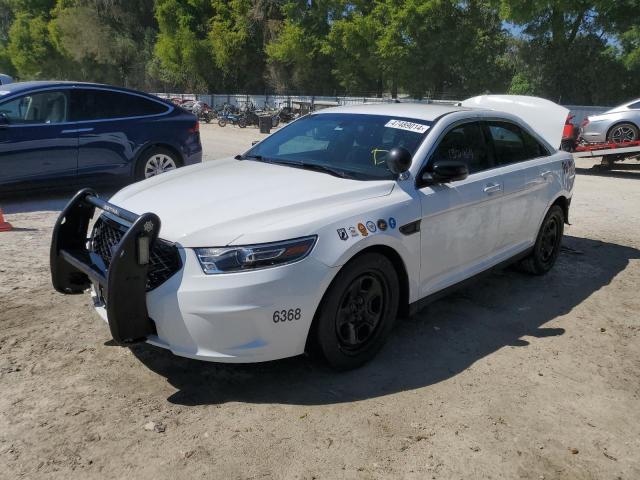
(580, 112)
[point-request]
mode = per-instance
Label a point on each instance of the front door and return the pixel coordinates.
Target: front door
(37, 142)
(460, 220)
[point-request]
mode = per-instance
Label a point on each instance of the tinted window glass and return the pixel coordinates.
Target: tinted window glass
(44, 107)
(634, 106)
(512, 144)
(350, 143)
(103, 104)
(464, 143)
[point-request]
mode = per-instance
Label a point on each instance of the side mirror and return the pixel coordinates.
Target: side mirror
(398, 160)
(446, 171)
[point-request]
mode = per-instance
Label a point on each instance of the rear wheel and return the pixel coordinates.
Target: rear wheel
(623, 132)
(547, 246)
(222, 122)
(242, 122)
(155, 161)
(358, 311)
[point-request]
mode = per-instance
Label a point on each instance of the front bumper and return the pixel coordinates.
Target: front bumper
(226, 317)
(230, 317)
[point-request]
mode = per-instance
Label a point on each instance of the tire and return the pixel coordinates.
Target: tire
(155, 161)
(357, 312)
(567, 145)
(623, 132)
(242, 122)
(222, 122)
(547, 246)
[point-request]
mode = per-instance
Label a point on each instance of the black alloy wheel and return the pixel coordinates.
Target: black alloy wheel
(357, 312)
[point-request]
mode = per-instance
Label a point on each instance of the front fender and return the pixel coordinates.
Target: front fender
(334, 250)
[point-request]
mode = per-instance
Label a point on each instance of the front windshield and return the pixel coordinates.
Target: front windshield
(352, 145)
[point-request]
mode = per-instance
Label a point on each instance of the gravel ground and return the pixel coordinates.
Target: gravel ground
(512, 377)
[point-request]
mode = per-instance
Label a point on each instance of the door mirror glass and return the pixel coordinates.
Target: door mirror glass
(446, 171)
(398, 160)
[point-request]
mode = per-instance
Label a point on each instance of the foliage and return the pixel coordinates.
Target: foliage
(571, 51)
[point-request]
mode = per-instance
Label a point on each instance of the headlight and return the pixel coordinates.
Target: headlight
(250, 257)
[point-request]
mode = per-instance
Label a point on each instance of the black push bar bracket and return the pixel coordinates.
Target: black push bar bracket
(122, 285)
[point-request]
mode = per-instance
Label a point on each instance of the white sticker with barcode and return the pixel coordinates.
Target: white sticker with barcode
(410, 126)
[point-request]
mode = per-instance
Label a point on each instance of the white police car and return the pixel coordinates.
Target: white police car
(324, 232)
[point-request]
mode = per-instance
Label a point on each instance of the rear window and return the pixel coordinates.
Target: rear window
(103, 104)
(512, 144)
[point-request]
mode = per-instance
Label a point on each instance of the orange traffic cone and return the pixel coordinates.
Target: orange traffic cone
(4, 226)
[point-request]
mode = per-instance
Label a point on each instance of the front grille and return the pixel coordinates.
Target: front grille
(164, 259)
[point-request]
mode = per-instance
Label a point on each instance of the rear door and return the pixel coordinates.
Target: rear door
(522, 163)
(37, 141)
(460, 220)
(111, 125)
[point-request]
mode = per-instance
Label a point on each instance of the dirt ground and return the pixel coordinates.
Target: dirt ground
(512, 377)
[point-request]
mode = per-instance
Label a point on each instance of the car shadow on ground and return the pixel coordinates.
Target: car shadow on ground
(503, 309)
(620, 170)
(53, 200)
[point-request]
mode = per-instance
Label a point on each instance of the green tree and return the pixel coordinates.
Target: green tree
(567, 52)
(108, 40)
(297, 57)
(6, 19)
(182, 51)
(237, 41)
(30, 48)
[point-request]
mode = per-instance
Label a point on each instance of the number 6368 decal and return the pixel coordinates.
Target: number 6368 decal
(287, 315)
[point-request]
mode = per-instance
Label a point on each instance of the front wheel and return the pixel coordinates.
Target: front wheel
(547, 246)
(155, 161)
(242, 122)
(357, 312)
(222, 122)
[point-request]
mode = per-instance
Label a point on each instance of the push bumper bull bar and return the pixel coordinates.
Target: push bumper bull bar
(122, 285)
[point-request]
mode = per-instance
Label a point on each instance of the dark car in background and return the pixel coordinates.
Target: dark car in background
(62, 133)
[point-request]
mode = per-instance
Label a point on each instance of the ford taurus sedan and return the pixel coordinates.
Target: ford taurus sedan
(61, 133)
(319, 236)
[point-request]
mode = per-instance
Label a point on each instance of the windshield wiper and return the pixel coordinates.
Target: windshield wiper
(260, 158)
(315, 167)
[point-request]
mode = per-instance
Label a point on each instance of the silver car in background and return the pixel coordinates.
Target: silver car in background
(618, 125)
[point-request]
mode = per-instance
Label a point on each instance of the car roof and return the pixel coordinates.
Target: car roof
(21, 87)
(418, 111)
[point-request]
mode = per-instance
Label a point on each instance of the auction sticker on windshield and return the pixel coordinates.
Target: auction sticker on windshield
(410, 126)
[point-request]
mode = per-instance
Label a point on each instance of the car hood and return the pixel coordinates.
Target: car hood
(222, 202)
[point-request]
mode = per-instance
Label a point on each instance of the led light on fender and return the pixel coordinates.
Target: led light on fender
(216, 260)
(143, 250)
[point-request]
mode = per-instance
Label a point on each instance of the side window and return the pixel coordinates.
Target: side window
(634, 106)
(464, 143)
(511, 144)
(48, 107)
(92, 104)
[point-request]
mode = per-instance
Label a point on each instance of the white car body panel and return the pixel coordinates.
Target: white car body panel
(228, 317)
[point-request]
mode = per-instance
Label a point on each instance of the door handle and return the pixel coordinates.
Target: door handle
(546, 174)
(77, 130)
(492, 188)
